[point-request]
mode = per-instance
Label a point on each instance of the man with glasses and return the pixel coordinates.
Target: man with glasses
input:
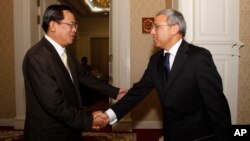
(51, 74)
(187, 82)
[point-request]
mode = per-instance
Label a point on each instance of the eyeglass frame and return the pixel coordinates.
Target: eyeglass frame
(72, 25)
(156, 27)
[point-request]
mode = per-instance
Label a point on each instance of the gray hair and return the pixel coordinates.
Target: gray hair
(174, 17)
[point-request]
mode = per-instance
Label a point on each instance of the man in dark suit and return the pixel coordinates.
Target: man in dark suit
(188, 84)
(53, 101)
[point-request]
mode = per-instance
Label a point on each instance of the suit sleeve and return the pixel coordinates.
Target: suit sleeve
(139, 90)
(42, 84)
(210, 85)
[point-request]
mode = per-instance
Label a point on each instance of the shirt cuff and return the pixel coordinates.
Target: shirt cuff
(112, 116)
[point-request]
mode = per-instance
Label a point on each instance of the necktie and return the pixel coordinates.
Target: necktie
(166, 63)
(65, 62)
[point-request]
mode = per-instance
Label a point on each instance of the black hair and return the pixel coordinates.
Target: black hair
(84, 59)
(53, 13)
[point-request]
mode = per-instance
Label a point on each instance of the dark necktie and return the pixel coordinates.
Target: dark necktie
(166, 63)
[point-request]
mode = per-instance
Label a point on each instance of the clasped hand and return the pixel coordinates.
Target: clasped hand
(100, 120)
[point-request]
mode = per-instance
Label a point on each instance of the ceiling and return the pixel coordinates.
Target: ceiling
(81, 9)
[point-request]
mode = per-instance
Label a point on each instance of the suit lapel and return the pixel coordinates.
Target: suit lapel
(74, 77)
(72, 70)
(179, 61)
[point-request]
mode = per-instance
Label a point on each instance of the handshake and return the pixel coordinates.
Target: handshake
(100, 120)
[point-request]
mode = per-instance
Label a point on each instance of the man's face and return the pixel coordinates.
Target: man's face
(65, 30)
(161, 32)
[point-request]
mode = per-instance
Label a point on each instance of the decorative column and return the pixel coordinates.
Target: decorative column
(120, 52)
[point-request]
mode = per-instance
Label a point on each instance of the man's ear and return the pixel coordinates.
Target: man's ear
(52, 26)
(175, 29)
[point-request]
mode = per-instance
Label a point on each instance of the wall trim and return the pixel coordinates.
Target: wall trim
(147, 125)
(6, 122)
(123, 126)
(19, 123)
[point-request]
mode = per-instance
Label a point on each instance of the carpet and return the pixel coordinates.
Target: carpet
(109, 136)
(9, 135)
(87, 136)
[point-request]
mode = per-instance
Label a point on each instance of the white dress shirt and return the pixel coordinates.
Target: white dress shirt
(59, 48)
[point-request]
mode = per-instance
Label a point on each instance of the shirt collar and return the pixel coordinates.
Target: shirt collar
(59, 48)
(173, 50)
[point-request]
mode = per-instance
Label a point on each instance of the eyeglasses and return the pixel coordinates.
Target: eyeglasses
(156, 27)
(72, 25)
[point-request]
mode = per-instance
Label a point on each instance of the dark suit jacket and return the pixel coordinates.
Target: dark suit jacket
(53, 101)
(193, 103)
